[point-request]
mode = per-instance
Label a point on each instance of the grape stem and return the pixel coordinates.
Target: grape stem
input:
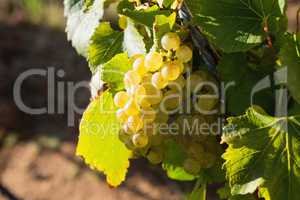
(206, 51)
(266, 30)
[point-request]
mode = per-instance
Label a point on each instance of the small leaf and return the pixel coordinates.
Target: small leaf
(105, 43)
(165, 3)
(238, 25)
(113, 71)
(142, 16)
(225, 193)
(163, 24)
(133, 40)
(264, 154)
(99, 142)
(247, 188)
(282, 6)
(82, 22)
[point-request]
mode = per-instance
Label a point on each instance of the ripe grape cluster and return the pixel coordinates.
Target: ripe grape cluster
(156, 90)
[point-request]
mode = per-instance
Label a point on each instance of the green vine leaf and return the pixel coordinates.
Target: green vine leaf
(240, 79)
(291, 59)
(113, 71)
(105, 43)
(99, 142)
(133, 41)
(238, 25)
(142, 16)
(294, 109)
(264, 154)
(82, 20)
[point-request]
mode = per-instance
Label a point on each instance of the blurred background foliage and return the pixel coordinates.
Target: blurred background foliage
(43, 12)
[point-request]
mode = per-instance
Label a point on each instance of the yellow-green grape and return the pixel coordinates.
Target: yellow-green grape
(171, 100)
(180, 122)
(150, 129)
(127, 85)
(189, 124)
(159, 81)
(129, 145)
(122, 22)
(139, 92)
(144, 103)
(126, 129)
(132, 78)
(205, 75)
(136, 56)
(131, 108)
(195, 82)
(147, 78)
(139, 66)
(170, 71)
(153, 95)
(140, 140)
(135, 123)
(153, 61)
(122, 116)
(184, 54)
(155, 156)
(156, 139)
(196, 151)
(170, 41)
(207, 102)
(162, 117)
(124, 137)
(181, 66)
(137, 2)
(208, 160)
(191, 166)
(148, 115)
(187, 68)
(197, 120)
(178, 84)
(121, 98)
(141, 97)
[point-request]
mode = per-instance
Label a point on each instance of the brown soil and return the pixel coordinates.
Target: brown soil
(37, 174)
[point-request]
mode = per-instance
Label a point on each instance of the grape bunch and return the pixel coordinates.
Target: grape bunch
(157, 90)
(202, 149)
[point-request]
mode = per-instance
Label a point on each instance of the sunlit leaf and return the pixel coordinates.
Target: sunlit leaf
(99, 142)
